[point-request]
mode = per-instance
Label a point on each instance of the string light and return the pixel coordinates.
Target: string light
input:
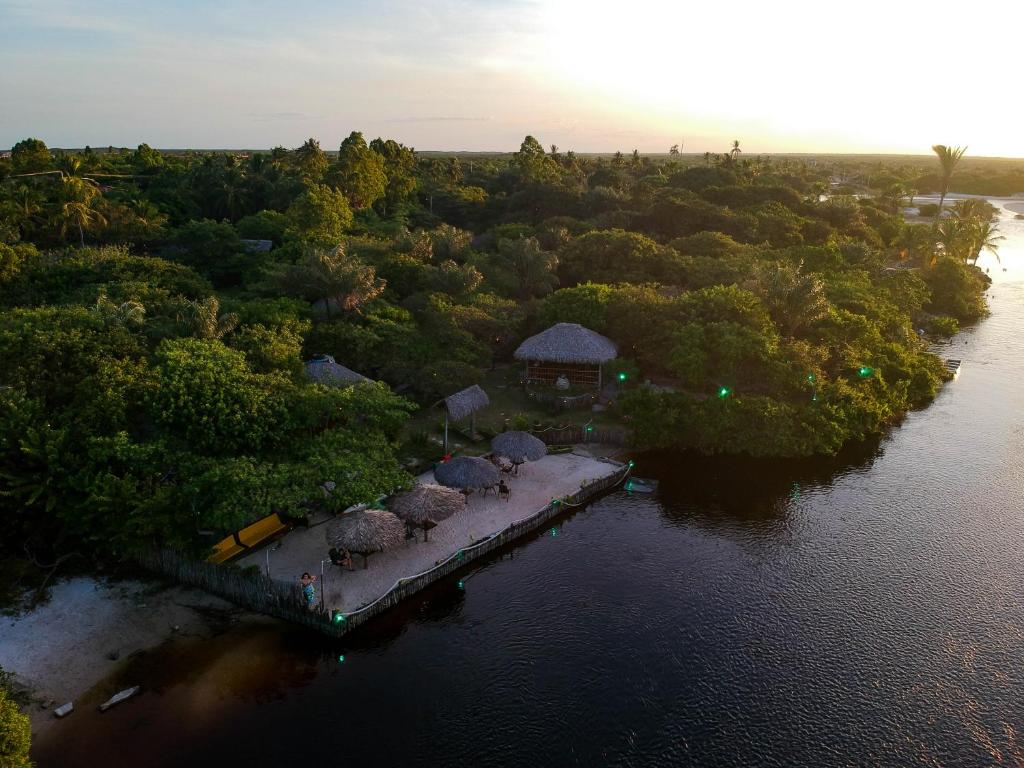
(724, 391)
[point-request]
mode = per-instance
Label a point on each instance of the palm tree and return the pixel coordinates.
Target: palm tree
(972, 208)
(131, 312)
(735, 149)
(948, 159)
(205, 321)
(918, 242)
(956, 238)
(77, 207)
(984, 237)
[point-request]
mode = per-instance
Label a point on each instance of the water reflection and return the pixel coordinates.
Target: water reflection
(723, 492)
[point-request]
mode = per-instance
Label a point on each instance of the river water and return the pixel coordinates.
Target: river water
(866, 610)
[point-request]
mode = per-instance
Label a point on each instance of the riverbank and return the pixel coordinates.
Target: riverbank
(539, 482)
(65, 649)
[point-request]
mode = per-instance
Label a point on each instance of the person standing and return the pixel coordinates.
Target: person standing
(308, 590)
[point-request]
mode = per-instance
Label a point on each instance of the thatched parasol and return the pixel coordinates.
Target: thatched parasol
(426, 505)
(366, 532)
(467, 472)
(519, 446)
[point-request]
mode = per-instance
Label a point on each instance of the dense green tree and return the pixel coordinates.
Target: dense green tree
(340, 281)
(311, 161)
(400, 170)
(319, 216)
(31, 156)
(211, 398)
(15, 733)
(361, 172)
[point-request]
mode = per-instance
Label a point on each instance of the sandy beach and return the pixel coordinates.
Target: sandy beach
(64, 648)
(538, 482)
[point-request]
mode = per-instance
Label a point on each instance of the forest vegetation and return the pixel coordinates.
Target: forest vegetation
(152, 347)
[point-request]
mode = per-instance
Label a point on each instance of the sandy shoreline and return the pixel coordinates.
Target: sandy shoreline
(72, 647)
(62, 650)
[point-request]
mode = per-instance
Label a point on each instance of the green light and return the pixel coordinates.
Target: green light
(629, 486)
(461, 584)
(864, 371)
(632, 463)
(339, 618)
(810, 377)
(341, 659)
(622, 376)
(589, 428)
(724, 392)
(554, 532)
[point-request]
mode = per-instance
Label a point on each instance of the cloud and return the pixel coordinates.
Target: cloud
(277, 116)
(438, 120)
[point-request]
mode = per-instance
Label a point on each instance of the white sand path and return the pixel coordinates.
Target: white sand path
(61, 649)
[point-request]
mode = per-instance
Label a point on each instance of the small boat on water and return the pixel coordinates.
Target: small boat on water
(640, 485)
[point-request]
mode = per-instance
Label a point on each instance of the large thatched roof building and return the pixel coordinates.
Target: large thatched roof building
(566, 350)
(322, 369)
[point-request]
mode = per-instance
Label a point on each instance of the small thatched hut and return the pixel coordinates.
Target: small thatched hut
(461, 405)
(366, 532)
(566, 350)
(322, 369)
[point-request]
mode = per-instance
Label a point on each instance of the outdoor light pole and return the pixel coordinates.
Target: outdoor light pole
(323, 586)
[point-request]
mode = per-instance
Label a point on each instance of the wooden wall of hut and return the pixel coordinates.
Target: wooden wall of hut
(578, 375)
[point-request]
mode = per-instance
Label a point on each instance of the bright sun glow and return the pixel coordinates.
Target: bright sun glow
(795, 76)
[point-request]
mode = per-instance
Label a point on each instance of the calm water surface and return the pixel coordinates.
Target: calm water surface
(860, 611)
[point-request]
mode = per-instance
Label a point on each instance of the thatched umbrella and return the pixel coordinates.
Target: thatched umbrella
(519, 447)
(426, 505)
(366, 532)
(466, 472)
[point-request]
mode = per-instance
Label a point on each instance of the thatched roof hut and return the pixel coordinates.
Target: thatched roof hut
(566, 350)
(426, 505)
(519, 446)
(322, 369)
(465, 402)
(568, 343)
(366, 532)
(467, 472)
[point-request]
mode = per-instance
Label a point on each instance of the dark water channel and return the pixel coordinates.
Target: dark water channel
(867, 610)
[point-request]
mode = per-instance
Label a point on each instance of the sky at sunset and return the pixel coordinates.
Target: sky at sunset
(788, 76)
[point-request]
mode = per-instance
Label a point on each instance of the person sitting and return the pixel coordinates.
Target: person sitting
(503, 490)
(341, 557)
